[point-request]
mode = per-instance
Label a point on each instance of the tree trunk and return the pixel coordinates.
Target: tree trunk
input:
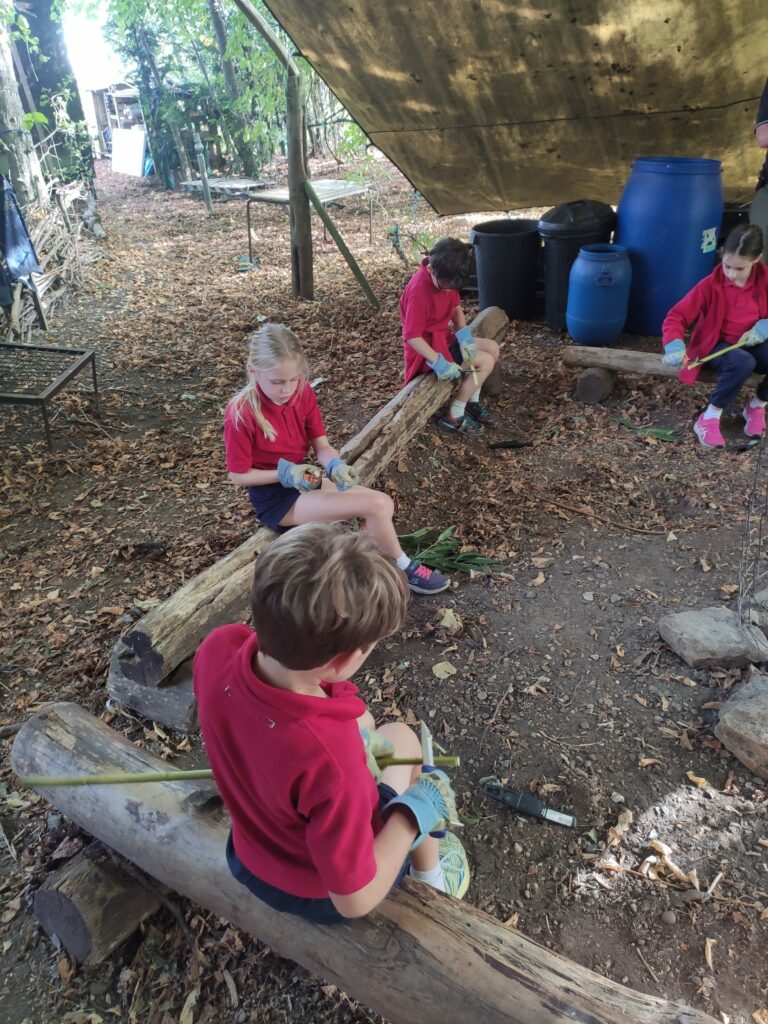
(54, 90)
(415, 960)
(143, 660)
(92, 907)
(186, 167)
(619, 360)
(244, 149)
(17, 154)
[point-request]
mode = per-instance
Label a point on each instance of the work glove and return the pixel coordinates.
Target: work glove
(375, 747)
(755, 335)
(299, 475)
(341, 474)
(445, 370)
(431, 801)
(467, 343)
(674, 353)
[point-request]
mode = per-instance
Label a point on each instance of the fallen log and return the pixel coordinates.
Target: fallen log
(143, 662)
(92, 907)
(418, 959)
(593, 388)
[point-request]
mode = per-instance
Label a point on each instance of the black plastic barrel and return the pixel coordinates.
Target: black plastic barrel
(507, 255)
(565, 229)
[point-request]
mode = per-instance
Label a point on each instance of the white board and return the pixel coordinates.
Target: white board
(129, 147)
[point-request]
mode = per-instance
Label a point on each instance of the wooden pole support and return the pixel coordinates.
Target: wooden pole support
(92, 907)
(595, 385)
(343, 248)
(149, 669)
(415, 960)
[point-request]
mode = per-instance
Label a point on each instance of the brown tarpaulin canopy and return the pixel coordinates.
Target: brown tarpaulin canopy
(493, 105)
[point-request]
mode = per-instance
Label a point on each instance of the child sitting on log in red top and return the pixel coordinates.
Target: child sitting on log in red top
(294, 751)
(269, 427)
(728, 308)
(436, 337)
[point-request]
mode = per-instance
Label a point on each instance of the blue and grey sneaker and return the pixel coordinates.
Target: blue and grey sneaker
(479, 413)
(422, 580)
(465, 425)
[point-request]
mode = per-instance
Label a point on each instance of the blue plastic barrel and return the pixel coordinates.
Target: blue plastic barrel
(598, 292)
(668, 219)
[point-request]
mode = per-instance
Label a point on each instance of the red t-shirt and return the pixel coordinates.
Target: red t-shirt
(297, 422)
(424, 313)
(291, 771)
(742, 311)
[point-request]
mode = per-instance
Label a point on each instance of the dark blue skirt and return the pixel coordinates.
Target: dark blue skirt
(271, 502)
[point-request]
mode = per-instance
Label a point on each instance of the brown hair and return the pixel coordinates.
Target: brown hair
(451, 261)
(269, 346)
(320, 591)
(745, 240)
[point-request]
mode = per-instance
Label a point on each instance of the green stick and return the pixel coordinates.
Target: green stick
(125, 778)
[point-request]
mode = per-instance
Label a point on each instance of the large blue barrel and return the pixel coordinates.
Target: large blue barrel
(598, 292)
(668, 218)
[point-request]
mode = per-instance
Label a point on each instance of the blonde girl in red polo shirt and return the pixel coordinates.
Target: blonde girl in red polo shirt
(728, 306)
(271, 424)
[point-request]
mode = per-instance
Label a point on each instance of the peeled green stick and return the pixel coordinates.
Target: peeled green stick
(124, 778)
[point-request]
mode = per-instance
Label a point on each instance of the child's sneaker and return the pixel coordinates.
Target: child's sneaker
(422, 580)
(708, 431)
(465, 425)
(754, 417)
(453, 861)
(479, 413)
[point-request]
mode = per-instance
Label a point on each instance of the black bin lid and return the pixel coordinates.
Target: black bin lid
(578, 217)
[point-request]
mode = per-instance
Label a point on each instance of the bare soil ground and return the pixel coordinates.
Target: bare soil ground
(561, 685)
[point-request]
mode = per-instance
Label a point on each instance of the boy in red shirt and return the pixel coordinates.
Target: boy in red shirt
(436, 337)
(293, 749)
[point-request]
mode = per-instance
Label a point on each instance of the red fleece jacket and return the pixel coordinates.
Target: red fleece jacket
(705, 304)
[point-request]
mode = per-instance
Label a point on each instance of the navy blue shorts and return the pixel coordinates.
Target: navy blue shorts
(271, 502)
(455, 349)
(320, 911)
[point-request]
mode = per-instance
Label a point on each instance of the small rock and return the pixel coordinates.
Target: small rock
(52, 821)
(669, 917)
(712, 637)
(517, 848)
(743, 725)
(617, 798)
(615, 598)
(481, 695)
(588, 595)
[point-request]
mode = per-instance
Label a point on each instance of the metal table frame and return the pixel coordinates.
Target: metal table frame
(84, 357)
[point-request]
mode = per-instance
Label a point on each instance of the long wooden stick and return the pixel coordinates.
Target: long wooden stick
(125, 778)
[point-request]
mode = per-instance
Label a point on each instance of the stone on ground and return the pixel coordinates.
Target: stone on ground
(743, 725)
(713, 637)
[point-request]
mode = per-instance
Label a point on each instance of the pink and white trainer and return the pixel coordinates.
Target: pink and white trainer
(754, 420)
(707, 429)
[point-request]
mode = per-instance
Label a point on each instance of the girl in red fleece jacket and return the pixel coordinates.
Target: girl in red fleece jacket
(727, 306)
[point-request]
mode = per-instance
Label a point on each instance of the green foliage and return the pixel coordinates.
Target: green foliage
(444, 552)
(28, 121)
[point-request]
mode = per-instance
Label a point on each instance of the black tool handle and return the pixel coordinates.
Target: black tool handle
(526, 803)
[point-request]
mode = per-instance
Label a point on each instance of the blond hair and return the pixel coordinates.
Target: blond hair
(320, 591)
(269, 346)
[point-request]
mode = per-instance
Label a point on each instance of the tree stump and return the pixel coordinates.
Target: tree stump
(92, 907)
(595, 385)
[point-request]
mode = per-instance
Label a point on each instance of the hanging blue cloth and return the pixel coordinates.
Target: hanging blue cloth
(16, 249)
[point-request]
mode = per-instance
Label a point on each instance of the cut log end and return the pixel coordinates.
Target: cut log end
(595, 385)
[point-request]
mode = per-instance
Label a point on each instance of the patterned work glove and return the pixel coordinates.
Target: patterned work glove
(431, 801)
(375, 746)
(301, 476)
(343, 476)
(755, 335)
(444, 370)
(467, 343)
(674, 353)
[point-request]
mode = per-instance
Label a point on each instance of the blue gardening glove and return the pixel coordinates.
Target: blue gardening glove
(301, 476)
(375, 746)
(467, 343)
(755, 335)
(445, 370)
(343, 476)
(431, 801)
(674, 353)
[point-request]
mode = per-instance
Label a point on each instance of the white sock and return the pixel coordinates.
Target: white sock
(402, 561)
(457, 409)
(475, 396)
(712, 412)
(757, 403)
(433, 877)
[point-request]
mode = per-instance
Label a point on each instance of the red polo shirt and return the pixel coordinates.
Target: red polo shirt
(291, 771)
(297, 422)
(425, 311)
